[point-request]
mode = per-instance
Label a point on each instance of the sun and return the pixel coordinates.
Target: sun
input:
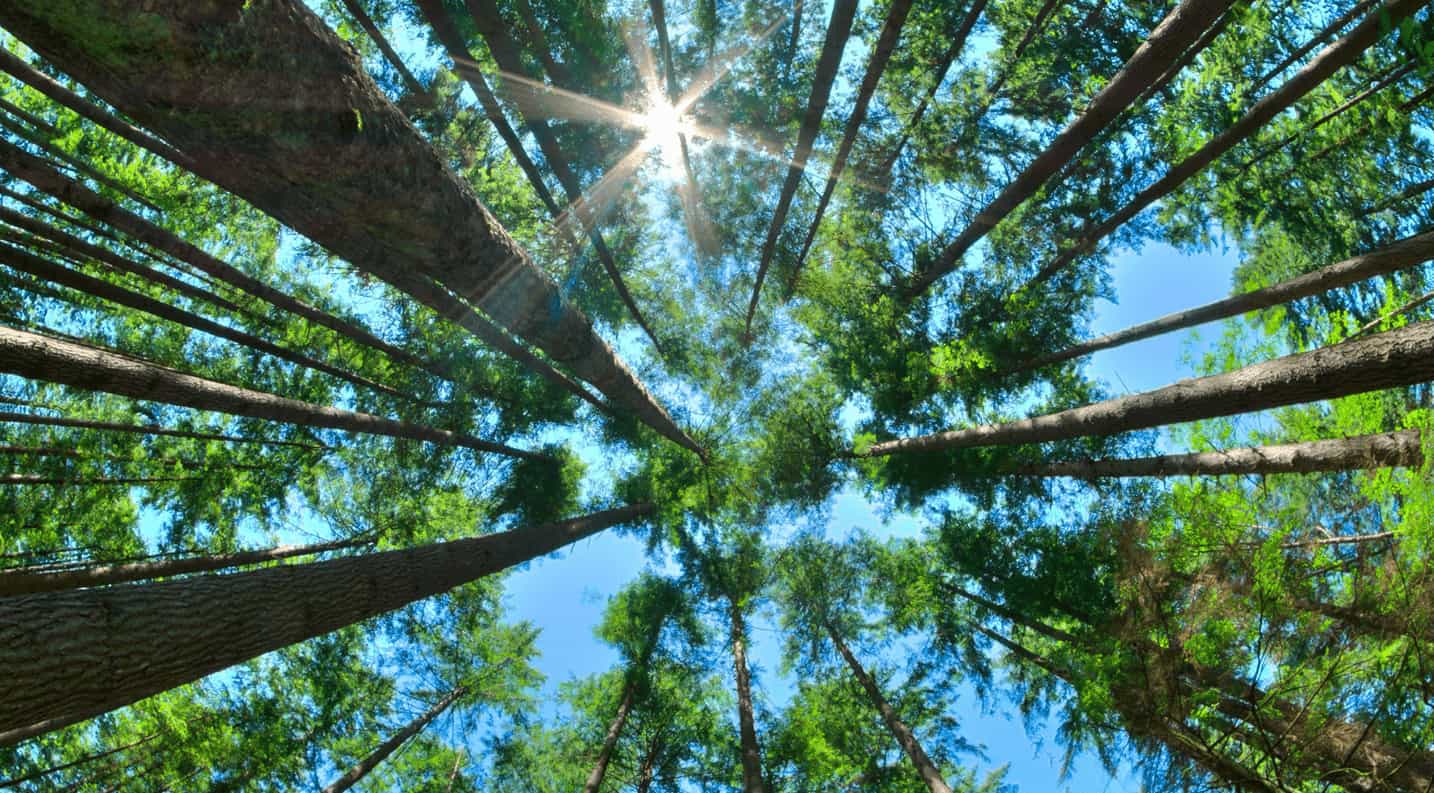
(662, 126)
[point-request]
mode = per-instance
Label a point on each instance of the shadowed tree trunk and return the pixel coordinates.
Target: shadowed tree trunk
(609, 741)
(360, 770)
(7, 416)
(1385, 450)
(334, 159)
(26, 582)
(141, 639)
(80, 366)
(746, 721)
(366, 22)
(1330, 60)
(838, 32)
(1384, 360)
(1398, 256)
(890, 33)
(929, 773)
(1176, 33)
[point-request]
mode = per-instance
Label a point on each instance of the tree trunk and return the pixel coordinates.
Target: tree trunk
(1383, 450)
(80, 366)
(927, 770)
(1165, 45)
(538, 44)
(746, 722)
(958, 43)
(27, 263)
(1317, 39)
(1412, 191)
(73, 163)
(18, 480)
(647, 771)
(336, 161)
(366, 22)
(1357, 134)
(24, 582)
(1003, 70)
(1330, 60)
(388, 747)
(33, 775)
(125, 643)
(12, 417)
(16, 67)
(1384, 360)
(609, 741)
(890, 33)
(1403, 254)
(838, 32)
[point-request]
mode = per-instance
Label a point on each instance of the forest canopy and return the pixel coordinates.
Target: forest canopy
(323, 321)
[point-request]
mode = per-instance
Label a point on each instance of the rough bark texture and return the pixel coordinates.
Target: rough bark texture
(366, 22)
(838, 31)
(746, 722)
(362, 768)
(80, 366)
(1176, 33)
(12, 417)
(1385, 360)
(1398, 256)
(128, 642)
(1385, 450)
(928, 771)
(25, 582)
(609, 741)
(890, 33)
(1330, 60)
(272, 106)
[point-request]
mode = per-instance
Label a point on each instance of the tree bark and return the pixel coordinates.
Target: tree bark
(388, 747)
(1165, 45)
(1330, 60)
(1384, 360)
(746, 722)
(80, 366)
(23, 582)
(366, 22)
(329, 155)
(838, 32)
(609, 741)
(875, 67)
(1383, 450)
(25, 262)
(1400, 255)
(7, 416)
(72, 655)
(926, 769)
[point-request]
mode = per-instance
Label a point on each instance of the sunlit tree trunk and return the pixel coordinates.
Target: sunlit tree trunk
(366, 22)
(609, 741)
(361, 769)
(746, 721)
(11, 417)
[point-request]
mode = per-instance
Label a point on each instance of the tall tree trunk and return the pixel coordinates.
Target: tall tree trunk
(495, 33)
(647, 771)
(25, 582)
(1316, 40)
(1005, 68)
(938, 76)
(1412, 191)
(53, 360)
(557, 73)
(348, 170)
(1384, 360)
(128, 642)
(609, 741)
(16, 67)
(838, 32)
(7, 416)
(73, 163)
(886, 43)
(1400, 255)
(746, 722)
(25, 262)
(44, 772)
(926, 769)
(17, 480)
(1357, 134)
(1165, 45)
(366, 22)
(1330, 60)
(388, 747)
(1382, 450)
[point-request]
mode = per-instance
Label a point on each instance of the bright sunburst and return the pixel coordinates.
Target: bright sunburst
(662, 125)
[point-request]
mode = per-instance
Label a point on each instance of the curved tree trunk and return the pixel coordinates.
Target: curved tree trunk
(1330, 60)
(366, 22)
(349, 171)
(1405, 253)
(25, 582)
(1384, 360)
(1176, 33)
(609, 741)
(80, 366)
(142, 639)
(926, 769)
(746, 722)
(8, 416)
(838, 32)
(890, 33)
(1384, 450)
(388, 747)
